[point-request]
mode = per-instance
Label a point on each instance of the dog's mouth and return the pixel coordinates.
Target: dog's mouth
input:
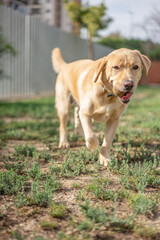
(125, 97)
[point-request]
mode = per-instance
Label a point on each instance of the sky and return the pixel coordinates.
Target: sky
(128, 16)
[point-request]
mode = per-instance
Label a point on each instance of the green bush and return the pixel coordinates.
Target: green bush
(11, 182)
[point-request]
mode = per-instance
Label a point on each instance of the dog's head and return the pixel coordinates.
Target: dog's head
(121, 71)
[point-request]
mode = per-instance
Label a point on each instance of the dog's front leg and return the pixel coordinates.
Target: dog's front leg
(78, 125)
(91, 140)
(111, 127)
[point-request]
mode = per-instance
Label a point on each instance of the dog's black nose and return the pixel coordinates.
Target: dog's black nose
(128, 84)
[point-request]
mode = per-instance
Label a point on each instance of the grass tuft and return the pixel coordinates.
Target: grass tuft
(58, 210)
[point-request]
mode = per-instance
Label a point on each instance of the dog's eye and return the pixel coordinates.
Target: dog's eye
(116, 67)
(135, 67)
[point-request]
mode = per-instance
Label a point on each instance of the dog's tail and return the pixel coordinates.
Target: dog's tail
(57, 60)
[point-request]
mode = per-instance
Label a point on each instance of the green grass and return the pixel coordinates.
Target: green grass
(58, 210)
(57, 183)
(46, 225)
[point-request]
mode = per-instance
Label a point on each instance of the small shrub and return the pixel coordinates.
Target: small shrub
(58, 210)
(39, 238)
(55, 170)
(45, 156)
(81, 195)
(46, 225)
(1, 215)
(94, 213)
(139, 176)
(142, 204)
(39, 196)
(24, 150)
(17, 235)
(100, 216)
(41, 193)
(17, 166)
(85, 226)
(97, 187)
(34, 171)
(76, 163)
(145, 232)
(76, 186)
(21, 199)
(11, 182)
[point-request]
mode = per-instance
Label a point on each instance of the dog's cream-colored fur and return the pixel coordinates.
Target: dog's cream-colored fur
(98, 88)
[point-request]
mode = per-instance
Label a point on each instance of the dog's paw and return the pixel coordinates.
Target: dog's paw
(64, 145)
(92, 143)
(104, 160)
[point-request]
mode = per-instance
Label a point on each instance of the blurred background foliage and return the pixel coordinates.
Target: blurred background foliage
(5, 47)
(147, 47)
(95, 18)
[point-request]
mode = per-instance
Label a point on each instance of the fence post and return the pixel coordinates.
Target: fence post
(27, 54)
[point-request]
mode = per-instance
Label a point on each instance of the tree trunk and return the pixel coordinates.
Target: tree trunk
(90, 49)
(76, 29)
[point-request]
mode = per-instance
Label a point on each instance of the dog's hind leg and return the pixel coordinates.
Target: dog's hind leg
(63, 106)
(78, 125)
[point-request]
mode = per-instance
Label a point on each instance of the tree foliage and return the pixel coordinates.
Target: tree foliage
(146, 47)
(155, 53)
(92, 18)
(5, 47)
(120, 42)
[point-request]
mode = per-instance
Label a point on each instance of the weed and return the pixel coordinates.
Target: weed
(17, 166)
(142, 204)
(81, 195)
(46, 225)
(100, 216)
(94, 214)
(45, 156)
(72, 137)
(1, 215)
(58, 210)
(97, 187)
(139, 175)
(85, 225)
(51, 183)
(39, 238)
(146, 232)
(34, 171)
(17, 235)
(63, 236)
(24, 150)
(21, 199)
(75, 162)
(41, 194)
(76, 186)
(11, 182)
(55, 170)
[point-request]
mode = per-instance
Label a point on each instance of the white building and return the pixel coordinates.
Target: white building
(51, 11)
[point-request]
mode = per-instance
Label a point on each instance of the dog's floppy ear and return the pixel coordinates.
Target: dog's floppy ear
(100, 68)
(145, 61)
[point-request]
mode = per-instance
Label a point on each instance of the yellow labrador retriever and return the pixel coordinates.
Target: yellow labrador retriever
(102, 90)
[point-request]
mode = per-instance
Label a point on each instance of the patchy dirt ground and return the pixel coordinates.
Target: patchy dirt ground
(124, 200)
(25, 222)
